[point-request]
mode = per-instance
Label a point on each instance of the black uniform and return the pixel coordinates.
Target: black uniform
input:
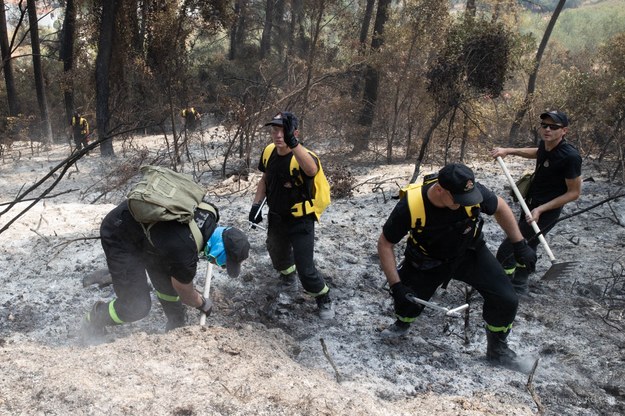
(451, 246)
(290, 240)
(552, 169)
(129, 255)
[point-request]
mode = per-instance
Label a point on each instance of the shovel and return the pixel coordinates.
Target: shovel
(557, 269)
(455, 312)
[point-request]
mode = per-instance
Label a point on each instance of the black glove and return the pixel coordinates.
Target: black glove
(289, 129)
(256, 215)
(524, 255)
(207, 306)
(399, 292)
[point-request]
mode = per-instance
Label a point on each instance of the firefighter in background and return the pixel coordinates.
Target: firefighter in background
(80, 127)
(191, 118)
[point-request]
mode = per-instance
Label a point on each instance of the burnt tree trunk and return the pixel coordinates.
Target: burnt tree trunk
(7, 65)
(102, 69)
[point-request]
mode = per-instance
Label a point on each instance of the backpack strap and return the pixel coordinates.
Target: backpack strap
(267, 153)
(197, 235)
(307, 206)
(414, 193)
(195, 230)
(416, 205)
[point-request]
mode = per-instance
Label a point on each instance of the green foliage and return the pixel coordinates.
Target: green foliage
(579, 28)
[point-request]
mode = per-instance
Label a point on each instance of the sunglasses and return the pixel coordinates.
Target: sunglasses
(550, 126)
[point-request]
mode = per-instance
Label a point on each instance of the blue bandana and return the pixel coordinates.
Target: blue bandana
(215, 251)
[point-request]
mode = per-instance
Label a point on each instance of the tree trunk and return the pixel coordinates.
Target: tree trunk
(465, 137)
(471, 9)
(102, 68)
(7, 65)
(38, 72)
(372, 79)
(296, 12)
(279, 26)
(234, 30)
(364, 29)
(265, 40)
(426, 141)
(238, 29)
(67, 56)
(362, 45)
(311, 57)
(531, 84)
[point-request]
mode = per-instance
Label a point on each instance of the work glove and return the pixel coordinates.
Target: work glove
(524, 255)
(289, 130)
(207, 306)
(256, 215)
(399, 292)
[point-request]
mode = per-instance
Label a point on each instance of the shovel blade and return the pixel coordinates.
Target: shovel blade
(559, 269)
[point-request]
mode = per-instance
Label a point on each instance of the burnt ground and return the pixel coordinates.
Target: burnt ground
(264, 350)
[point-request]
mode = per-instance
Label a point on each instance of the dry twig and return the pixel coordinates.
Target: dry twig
(530, 389)
(325, 352)
(64, 244)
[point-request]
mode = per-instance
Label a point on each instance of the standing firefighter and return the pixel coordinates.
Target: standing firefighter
(80, 129)
(290, 173)
(191, 118)
(167, 251)
(557, 181)
(445, 241)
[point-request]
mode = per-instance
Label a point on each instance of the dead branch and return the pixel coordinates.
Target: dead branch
(530, 389)
(43, 237)
(566, 217)
(66, 243)
(616, 220)
(327, 355)
(63, 166)
(581, 211)
(376, 183)
(44, 197)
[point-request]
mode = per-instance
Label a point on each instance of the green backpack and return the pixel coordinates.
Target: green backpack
(320, 198)
(165, 195)
(523, 184)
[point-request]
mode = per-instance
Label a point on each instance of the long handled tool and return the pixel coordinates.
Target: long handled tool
(253, 224)
(455, 312)
(556, 269)
(207, 289)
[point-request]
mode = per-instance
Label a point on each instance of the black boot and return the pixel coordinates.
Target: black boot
(95, 322)
(176, 314)
(497, 350)
(520, 281)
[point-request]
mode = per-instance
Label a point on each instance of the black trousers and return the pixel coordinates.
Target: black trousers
(123, 243)
(477, 268)
(80, 140)
(291, 241)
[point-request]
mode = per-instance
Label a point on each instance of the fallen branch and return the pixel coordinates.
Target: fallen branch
(43, 197)
(325, 352)
(63, 166)
(566, 217)
(373, 181)
(64, 244)
(530, 389)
